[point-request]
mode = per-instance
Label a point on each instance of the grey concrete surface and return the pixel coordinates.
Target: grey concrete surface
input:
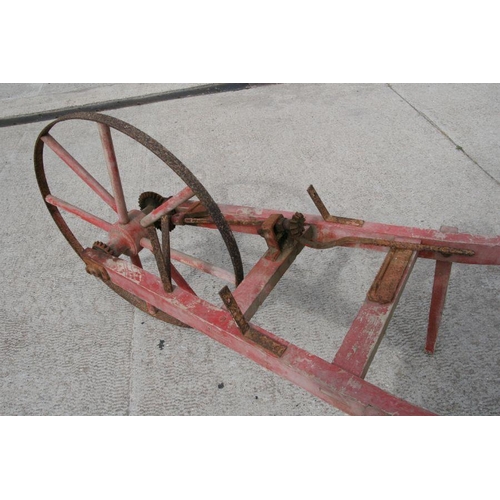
(26, 98)
(68, 345)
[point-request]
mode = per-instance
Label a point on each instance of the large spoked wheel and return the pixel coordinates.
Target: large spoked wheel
(126, 228)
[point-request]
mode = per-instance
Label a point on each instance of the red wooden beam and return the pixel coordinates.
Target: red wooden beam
(366, 332)
(329, 382)
(262, 278)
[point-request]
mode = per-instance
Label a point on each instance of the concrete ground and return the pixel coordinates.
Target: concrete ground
(417, 155)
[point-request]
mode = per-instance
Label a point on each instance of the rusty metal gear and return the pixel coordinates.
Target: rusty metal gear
(149, 198)
(152, 200)
(99, 245)
(296, 226)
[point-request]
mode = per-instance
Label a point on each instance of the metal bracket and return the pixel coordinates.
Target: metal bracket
(386, 283)
(326, 214)
(244, 327)
(274, 238)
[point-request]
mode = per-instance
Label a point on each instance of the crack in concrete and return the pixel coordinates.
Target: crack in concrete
(439, 129)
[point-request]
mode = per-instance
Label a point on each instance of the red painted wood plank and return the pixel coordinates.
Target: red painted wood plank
(331, 383)
(366, 332)
(262, 278)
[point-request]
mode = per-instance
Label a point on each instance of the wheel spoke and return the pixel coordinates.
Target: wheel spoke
(79, 170)
(86, 216)
(167, 206)
(203, 265)
(194, 262)
(114, 174)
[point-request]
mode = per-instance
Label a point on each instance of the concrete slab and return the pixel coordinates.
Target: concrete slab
(70, 346)
(468, 114)
(27, 98)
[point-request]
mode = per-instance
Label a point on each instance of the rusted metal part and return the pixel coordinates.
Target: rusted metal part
(148, 201)
(273, 238)
(167, 206)
(326, 214)
(445, 251)
(233, 308)
(277, 348)
(99, 245)
(276, 229)
(266, 342)
(96, 269)
(383, 289)
(194, 212)
(160, 260)
(165, 246)
(439, 289)
(294, 227)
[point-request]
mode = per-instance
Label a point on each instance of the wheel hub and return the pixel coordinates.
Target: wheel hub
(126, 238)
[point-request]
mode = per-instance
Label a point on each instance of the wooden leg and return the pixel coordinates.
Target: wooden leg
(439, 289)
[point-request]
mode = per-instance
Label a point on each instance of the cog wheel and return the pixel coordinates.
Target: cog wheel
(99, 245)
(154, 200)
(149, 198)
(296, 227)
(293, 227)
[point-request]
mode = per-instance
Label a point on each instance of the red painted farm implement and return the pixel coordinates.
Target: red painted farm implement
(166, 295)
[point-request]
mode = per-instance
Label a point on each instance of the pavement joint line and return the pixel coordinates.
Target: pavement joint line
(438, 128)
(212, 88)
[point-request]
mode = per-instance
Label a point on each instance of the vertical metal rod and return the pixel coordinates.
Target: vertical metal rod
(318, 202)
(114, 174)
(160, 262)
(439, 289)
(165, 246)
